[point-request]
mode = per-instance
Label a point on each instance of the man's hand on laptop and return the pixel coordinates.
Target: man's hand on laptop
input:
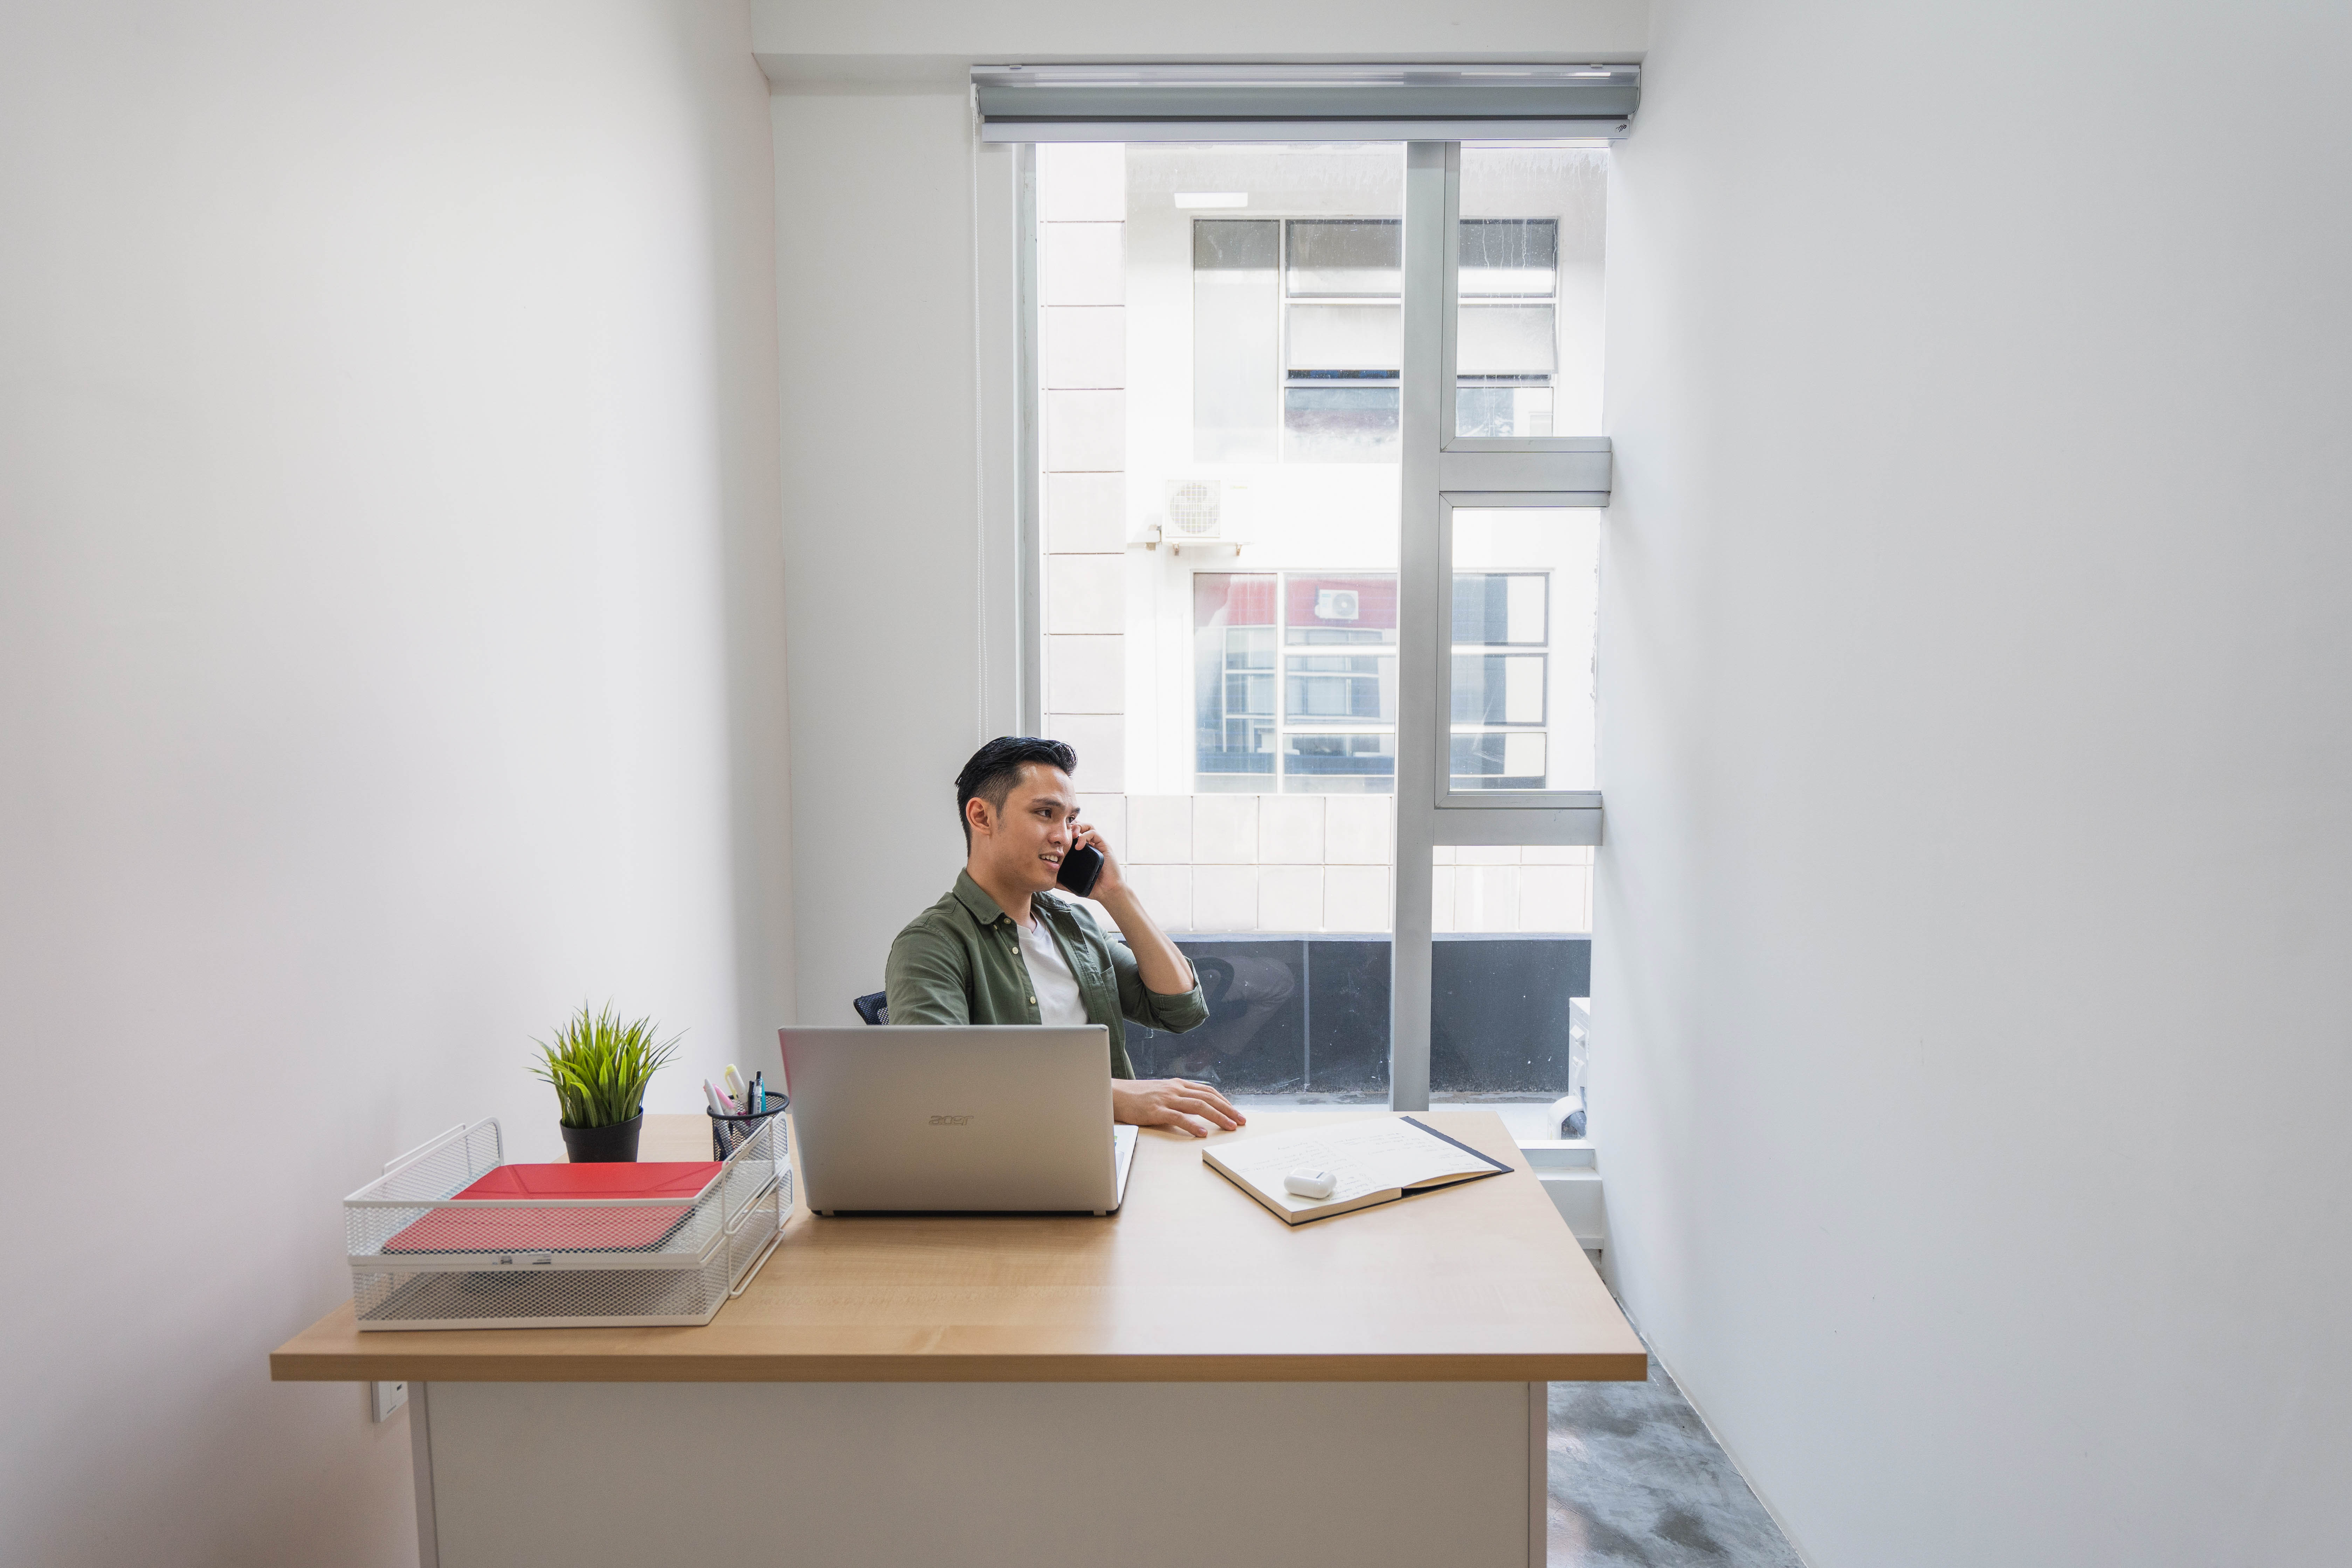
(1177, 1102)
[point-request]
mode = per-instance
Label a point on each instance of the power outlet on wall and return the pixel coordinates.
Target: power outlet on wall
(384, 1398)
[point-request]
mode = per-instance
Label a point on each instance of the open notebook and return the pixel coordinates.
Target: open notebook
(638, 1228)
(1375, 1161)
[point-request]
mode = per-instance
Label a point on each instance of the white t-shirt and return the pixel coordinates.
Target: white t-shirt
(1058, 1001)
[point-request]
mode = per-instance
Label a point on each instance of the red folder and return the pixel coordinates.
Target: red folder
(639, 1229)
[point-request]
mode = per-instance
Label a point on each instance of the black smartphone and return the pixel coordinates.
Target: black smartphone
(1080, 867)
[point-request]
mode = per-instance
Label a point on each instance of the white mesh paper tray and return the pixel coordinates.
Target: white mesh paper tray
(420, 1257)
(682, 1295)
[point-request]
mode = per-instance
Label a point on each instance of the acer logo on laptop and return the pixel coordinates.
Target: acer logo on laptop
(950, 1121)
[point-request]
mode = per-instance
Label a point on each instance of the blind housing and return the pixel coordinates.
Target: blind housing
(1293, 103)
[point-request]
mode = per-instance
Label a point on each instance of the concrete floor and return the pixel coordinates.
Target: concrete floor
(1636, 1482)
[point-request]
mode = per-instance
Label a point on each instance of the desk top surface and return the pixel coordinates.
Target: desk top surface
(1191, 1281)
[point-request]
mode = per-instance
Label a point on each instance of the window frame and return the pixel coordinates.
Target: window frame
(1439, 470)
(1442, 471)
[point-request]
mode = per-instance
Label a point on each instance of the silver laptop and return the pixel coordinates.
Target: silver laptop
(917, 1117)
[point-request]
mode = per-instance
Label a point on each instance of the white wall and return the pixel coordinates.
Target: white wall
(874, 261)
(937, 40)
(388, 659)
(1972, 1063)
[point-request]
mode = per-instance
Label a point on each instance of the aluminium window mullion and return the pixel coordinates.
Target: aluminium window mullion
(1423, 626)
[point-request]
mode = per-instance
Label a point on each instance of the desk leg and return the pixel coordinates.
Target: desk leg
(1539, 1474)
(420, 1450)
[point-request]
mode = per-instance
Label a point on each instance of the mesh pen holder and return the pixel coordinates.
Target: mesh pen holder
(730, 1133)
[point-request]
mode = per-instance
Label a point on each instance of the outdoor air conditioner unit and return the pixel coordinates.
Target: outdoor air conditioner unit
(1193, 509)
(1337, 604)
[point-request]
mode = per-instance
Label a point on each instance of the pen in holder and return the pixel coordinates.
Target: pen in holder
(729, 1133)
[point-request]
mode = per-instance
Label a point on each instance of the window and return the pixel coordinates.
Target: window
(1343, 339)
(1236, 360)
(1526, 591)
(1316, 305)
(1509, 346)
(1296, 682)
(1230, 635)
(1527, 312)
(1302, 315)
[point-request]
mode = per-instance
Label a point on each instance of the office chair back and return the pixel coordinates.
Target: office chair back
(874, 1008)
(1217, 977)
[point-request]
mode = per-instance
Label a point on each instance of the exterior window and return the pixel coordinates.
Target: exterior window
(1506, 351)
(1496, 693)
(1305, 310)
(1315, 304)
(1234, 637)
(1237, 312)
(1526, 591)
(1334, 728)
(1527, 330)
(1343, 339)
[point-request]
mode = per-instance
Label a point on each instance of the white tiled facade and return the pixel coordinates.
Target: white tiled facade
(1320, 863)
(1082, 287)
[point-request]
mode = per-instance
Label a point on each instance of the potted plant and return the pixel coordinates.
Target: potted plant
(599, 1068)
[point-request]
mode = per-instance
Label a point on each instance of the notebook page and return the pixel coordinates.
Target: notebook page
(1372, 1156)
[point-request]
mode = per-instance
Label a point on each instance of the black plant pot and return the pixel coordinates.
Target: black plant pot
(603, 1146)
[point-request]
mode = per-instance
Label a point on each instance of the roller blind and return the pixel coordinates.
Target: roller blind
(1290, 103)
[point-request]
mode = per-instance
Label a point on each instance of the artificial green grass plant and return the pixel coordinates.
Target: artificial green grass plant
(600, 1066)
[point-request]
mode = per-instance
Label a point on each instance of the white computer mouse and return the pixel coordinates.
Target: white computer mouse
(1310, 1183)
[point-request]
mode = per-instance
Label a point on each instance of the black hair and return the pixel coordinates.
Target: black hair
(996, 767)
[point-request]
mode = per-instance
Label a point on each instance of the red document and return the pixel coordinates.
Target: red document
(634, 1229)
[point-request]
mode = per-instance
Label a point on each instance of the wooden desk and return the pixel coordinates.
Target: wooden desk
(1188, 1377)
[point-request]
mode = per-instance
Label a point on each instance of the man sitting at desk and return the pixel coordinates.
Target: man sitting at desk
(1002, 947)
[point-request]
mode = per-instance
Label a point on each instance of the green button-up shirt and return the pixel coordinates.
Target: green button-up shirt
(960, 962)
